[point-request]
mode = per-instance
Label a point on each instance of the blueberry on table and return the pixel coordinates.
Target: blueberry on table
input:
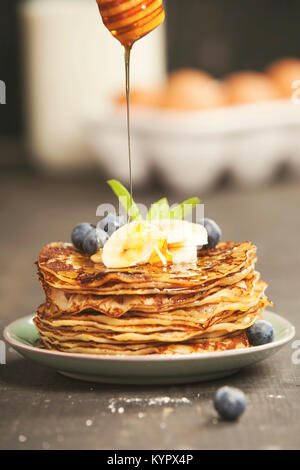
(262, 332)
(79, 233)
(111, 222)
(214, 232)
(230, 403)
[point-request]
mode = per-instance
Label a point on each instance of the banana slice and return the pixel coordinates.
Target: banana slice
(182, 232)
(97, 257)
(183, 254)
(173, 254)
(131, 245)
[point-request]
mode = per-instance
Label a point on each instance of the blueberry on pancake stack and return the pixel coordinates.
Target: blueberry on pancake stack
(97, 305)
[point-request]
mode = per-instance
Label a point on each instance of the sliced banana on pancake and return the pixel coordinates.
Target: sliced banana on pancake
(183, 254)
(131, 245)
(182, 232)
(159, 242)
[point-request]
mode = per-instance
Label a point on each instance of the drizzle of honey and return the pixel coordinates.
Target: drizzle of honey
(161, 255)
(128, 21)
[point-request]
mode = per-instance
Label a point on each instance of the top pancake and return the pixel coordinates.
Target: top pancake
(63, 267)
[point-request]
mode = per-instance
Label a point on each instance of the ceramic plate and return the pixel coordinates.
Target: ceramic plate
(22, 335)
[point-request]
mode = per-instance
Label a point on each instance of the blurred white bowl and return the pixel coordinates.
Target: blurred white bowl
(192, 149)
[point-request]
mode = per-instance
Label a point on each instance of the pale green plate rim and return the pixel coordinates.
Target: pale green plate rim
(286, 329)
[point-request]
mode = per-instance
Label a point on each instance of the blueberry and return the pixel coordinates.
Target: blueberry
(90, 243)
(111, 222)
(230, 403)
(102, 237)
(93, 241)
(79, 233)
(213, 231)
(262, 332)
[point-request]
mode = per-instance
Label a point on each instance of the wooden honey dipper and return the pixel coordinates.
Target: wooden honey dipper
(130, 20)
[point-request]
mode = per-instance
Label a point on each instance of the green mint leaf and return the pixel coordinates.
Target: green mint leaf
(124, 198)
(185, 208)
(159, 210)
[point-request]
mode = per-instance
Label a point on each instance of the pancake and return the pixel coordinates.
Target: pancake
(90, 329)
(147, 288)
(235, 341)
(117, 305)
(148, 309)
(215, 314)
(64, 267)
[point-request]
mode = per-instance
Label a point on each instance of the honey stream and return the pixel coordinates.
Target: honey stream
(127, 55)
(128, 21)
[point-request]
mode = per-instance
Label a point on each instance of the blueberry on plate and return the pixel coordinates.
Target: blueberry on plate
(213, 231)
(261, 332)
(79, 233)
(93, 241)
(230, 403)
(111, 222)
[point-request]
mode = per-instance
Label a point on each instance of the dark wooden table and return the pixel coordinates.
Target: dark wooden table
(40, 409)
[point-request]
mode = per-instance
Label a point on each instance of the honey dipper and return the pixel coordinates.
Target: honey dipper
(130, 20)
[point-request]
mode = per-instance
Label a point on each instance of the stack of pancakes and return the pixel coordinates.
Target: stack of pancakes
(178, 309)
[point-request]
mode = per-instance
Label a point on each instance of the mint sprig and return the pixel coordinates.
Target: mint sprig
(185, 208)
(158, 210)
(125, 199)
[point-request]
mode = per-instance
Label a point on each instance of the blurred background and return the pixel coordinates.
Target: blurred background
(210, 118)
(228, 103)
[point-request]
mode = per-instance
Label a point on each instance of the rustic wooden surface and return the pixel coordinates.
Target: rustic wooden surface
(40, 409)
